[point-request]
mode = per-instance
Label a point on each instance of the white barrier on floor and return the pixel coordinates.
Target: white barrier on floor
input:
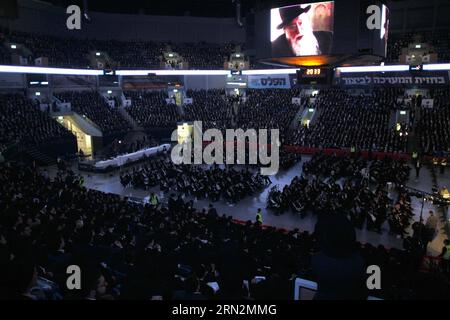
(131, 157)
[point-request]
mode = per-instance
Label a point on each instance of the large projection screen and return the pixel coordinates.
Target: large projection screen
(302, 30)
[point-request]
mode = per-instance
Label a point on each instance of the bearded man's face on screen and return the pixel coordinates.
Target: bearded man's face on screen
(299, 33)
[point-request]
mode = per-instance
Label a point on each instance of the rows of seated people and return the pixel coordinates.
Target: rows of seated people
(213, 182)
(130, 55)
(433, 126)
(319, 191)
(439, 39)
(146, 54)
(92, 105)
(74, 52)
(377, 171)
(61, 52)
(172, 251)
(211, 107)
(150, 109)
(346, 121)
(21, 121)
(268, 109)
(204, 55)
(389, 97)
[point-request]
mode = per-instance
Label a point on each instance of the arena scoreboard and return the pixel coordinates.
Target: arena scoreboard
(314, 75)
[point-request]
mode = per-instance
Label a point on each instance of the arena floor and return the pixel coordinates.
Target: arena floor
(246, 208)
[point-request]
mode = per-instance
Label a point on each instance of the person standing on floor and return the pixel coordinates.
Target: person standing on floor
(418, 166)
(259, 216)
(445, 255)
(154, 199)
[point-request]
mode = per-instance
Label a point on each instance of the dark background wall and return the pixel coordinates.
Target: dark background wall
(414, 15)
(35, 16)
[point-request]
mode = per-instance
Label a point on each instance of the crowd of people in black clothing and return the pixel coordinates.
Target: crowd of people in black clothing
(211, 107)
(150, 109)
(61, 52)
(93, 106)
(21, 121)
(439, 39)
(268, 109)
(74, 52)
(346, 121)
(147, 54)
(214, 183)
(332, 184)
(129, 55)
(204, 55)
(433, 127)
(172, 251)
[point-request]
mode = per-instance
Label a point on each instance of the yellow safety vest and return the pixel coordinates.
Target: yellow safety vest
(259, 217)
(154, 200)
(447, 253)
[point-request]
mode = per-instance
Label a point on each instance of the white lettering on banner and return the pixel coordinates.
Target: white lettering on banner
(430, 80)
(393, 80)
(264, 82)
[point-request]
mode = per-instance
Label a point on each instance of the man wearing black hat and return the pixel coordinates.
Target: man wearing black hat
(299, 39)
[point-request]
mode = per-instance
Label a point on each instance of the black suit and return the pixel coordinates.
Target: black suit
(282, 48)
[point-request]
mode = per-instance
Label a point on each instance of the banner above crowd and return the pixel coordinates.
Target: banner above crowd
(394, 78)
(280, 81)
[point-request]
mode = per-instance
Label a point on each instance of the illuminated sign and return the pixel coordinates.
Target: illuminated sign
(313, 72)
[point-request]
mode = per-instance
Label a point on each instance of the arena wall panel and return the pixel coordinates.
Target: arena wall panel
(46, 19)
